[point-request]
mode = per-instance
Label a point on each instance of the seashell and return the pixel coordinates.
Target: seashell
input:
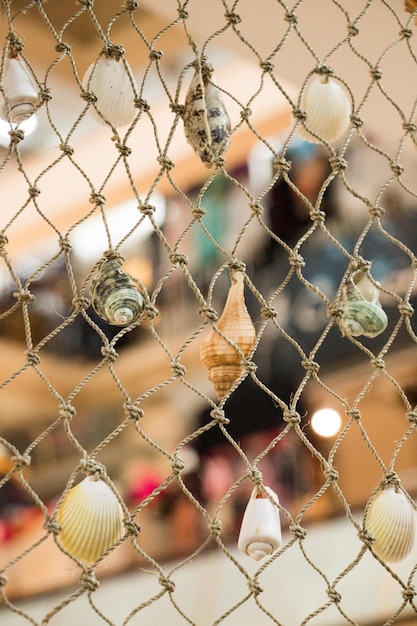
(221, 358)
(91, 519)
(362, 311)
(113, 84)
(391, 520)
(21, 95)
(327, 107)
(206, 122)
(114, 297)
(260, 532)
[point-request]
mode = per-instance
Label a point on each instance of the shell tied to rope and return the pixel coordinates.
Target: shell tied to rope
(362, 310)
(206, 122)
(223, 359)
(113, 295)
(21, 96)
(260, 532)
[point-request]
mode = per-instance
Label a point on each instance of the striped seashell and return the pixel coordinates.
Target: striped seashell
(220, 357)
(328, 109)
(391, 520)
(362, 311)
(21, 95)
(111, 81)
(91, 519)
(114, 297)
(260, 531)
(206, 122)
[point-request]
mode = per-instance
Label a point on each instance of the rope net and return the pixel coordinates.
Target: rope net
(266, 200)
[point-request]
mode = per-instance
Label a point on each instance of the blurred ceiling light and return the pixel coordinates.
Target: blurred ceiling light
(326, 422)
(28, 126)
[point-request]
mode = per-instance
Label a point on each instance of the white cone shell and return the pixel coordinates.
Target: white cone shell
(391, 519)
(21, 96)
(328, 109)
(91, 519)
(260, 532)
(109, 81)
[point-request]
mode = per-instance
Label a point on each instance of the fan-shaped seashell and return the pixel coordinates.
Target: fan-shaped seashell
(206, 122)
(328, 109)
(111, 81)
(260, 531)
(21, 95)
(391, 520)
(114, 297)
(222, 359)
(362, 311)
(91, 519)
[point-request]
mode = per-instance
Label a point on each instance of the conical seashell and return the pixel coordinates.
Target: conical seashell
(20, 97)
(260, 532)
(217, 355)
(327, 107)
(111, 83)
(362, 310)
(91, 519)
(114, 297)
(391, 520)
(206, 122)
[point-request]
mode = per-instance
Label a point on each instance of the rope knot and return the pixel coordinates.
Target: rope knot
(24, 296)
(168, 584)
(406, 33)
(236, 266)
(67, 411)
(151, 311)
(246, 113)
(98, 199)
(397, 168)
(376, 211)
(298, 531)
(291, 18)
(109, 354)
(147, 209)
(267, 66)
(376, 73)
(256, 476)
(178, 109)
(199, 212)
(378, 363)
(65, 245)
(412, 417)
(177, 258)
(409, 127)
(80, 303)
(268, 312)
(132, 527)
(219, 416)
(89, 581)
(256, 208)
(215, 528)
(91, 467)
(281, 165)
(34, 191)
(409, 593)
(334, 595)
(356, 121)
(114, 51)
(32, 357)
(16, 135)
(255, 587)
(296, 260)
(3, 580)
(335, 311)
(177, 465)
(178, 368)
(132, 5)
(366, 537)
(353, 413)
(124, 150)
(406, 309)
(52, 526)
(183, 13)
(312, 367)
(292, 417)
(15, 44)
(63, 47)
(391, 479)
(20, 461)
(218, 161)
(316, 215)
(353, 30)
(155, 55)
(338, 164)
(3, 240)
(133, 412)
(165, 163)
(233, 18)
(209, 313)
(142, 105)
(331, 473)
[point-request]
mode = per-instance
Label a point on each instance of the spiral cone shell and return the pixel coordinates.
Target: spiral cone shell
(222, 359)
(206, 122)
(391, 520)
(362, 311)
(114, 297)
(91, 519)
(21, 95)
(327, 107)
(260, 531)
(111, 83)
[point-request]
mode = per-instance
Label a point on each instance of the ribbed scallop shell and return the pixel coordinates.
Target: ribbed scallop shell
(362, 311)
(260, 531)
(108, 79)
(221, 358)
(206, 122)
(21, 94)
(114, 297)
(391, 520)
(91, 519)
(328, 109)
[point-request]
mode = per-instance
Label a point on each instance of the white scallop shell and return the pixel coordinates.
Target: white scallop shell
(260, 532)
(391, 520)
(108, 79)
(21, 97)
(91, 519)
(328, 109)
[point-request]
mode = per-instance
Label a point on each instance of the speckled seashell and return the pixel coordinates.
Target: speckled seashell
(391, 520)
(91, 519)
(328, 109)
(222, 359)
(260, 531)
(114, 297)
(206, 122)
(362, 311)
(111, 82)
(21, 96)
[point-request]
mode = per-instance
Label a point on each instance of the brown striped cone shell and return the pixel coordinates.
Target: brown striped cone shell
(21, 94)
(111, 80)
(223, 361)
(391, 520)
(327, 107)
(91, 519)
(362, 310)
(260, 531)
(114, 297)
(206, 122)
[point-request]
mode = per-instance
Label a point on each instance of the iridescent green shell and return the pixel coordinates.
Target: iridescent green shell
(362, 311)
(114, 297)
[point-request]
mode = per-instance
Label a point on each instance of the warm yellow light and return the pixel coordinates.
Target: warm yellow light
(326, 422)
